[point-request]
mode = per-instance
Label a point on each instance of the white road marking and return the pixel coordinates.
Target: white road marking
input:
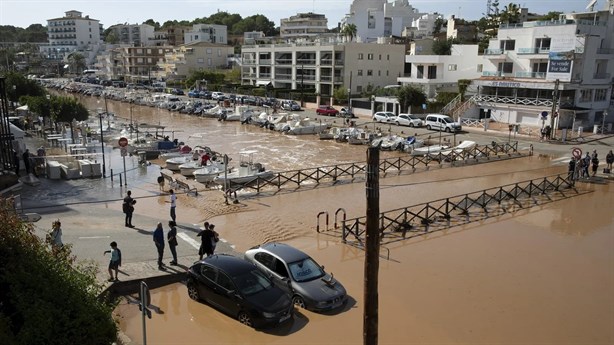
(93, 237)
(188, 239)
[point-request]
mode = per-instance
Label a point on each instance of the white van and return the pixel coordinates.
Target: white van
(442, 123)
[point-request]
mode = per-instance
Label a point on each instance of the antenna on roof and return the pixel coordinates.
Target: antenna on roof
(591, 5)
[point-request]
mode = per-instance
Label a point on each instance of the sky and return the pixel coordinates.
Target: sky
(23, 13)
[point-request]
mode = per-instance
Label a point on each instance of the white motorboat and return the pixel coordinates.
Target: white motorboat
(454, 152)
(411, 143)
(425, 150)
(357, 136)
(208, 173)
(248, 172)
(305, 126)
(389, 142)
(188, 168)
(185, 154)
(173, 164)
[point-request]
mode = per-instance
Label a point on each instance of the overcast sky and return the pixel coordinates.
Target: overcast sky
(22, 13)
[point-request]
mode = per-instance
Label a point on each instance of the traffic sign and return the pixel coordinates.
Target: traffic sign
(544, 114)
(576, 152)
(122, 142)
(123, 151)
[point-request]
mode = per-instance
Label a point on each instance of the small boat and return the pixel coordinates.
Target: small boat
(248, 172)
(208, 173)
(455, 152)
(188, 168)
(305, 126)
(389, 142)
(357, 136)
(173, 164)
(425, 150)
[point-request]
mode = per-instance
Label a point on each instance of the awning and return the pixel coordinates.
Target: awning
(23, 107)
(263, 82)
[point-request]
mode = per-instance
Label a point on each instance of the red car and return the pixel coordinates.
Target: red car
(327, 110)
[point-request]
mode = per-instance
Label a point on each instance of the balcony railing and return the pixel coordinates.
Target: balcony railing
(265, 61)
(305, 61)
(491, 74)
(283, 61)
(249, 62)
(264, 75)
(532, 75)
(533, 50)
(283, 76)
(601, 76)
(493, 51)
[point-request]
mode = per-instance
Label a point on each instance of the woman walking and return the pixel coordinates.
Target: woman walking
(172, 241)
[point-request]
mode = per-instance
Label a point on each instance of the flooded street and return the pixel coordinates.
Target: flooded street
(540, 275)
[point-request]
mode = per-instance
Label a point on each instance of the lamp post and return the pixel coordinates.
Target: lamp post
(605, 113)
(349, 111)
(104, 169)
(48, 96)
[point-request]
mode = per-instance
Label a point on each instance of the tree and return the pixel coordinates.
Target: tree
(349, 30)
(443, 47)
(65, 109)
(410, 96)
(340, 94)
(153, 23)
(510, 14)
(18, 85)
(439, 23)
(110, 37)
(47, 297)
(77, 64)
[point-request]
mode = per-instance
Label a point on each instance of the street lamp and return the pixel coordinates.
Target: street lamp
(104, 169)
(349, 101)
(48, 111)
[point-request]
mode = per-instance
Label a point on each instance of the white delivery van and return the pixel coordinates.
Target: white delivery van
(442, 123)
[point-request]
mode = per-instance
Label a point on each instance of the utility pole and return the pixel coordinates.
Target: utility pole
(553, 114)
(371, 311)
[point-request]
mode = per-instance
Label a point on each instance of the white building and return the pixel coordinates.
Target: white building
(435, 73)
(251, 36)
(71, 33)
(322, 67)
(422, 27)
(303, 25)
(527, 62)
(378, 18)
(210, 33)
(180, 61)
(134, 34)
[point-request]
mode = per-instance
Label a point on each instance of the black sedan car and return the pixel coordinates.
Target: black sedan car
(297, 273)
(237, 288)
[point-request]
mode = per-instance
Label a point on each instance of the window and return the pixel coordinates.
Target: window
(219, 52)
(195, 37)
(432, 72)
(379, 73)
(452, 67)
(387, 73)
(370, 56)
(420, 72)
(209, 62)
(507, 45)
(505, 67)
(542, 44)
(388, 57)
(359, 88)
(266, 259)
(225, 282)
(208, 272)
(200, 60)
(380, 57)
(139, 51)
(209, 51)
(360, 56)
(600, 94)
(359, 73)
(480, 68)
(369, 73)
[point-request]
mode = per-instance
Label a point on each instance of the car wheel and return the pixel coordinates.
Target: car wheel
(447, 129)
(193, 292)
(411, 125)
(428, 127)
(397, 123)
(298, 301)
(245, 319)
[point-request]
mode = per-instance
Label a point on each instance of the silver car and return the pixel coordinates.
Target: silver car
(299, 275)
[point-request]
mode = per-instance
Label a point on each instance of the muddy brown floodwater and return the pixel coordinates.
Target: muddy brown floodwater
(543, 275)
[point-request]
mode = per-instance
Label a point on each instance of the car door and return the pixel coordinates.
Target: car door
(275, 270)
(206, 286)
(226, 294)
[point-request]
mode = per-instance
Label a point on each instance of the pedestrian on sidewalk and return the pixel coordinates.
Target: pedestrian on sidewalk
(572, 169)
(586, 165)
(128, 208)
(206, 237)
(116, 261)
(609, 159)
(56, 234)
(595, 163)
(26, 161)
(158, 238)
(172, 240)
(173, 203)
(214, 239)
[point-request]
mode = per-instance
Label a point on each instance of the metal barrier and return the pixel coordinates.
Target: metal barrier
(395, 225)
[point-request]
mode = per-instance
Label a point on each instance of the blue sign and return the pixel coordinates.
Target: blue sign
(544, 114)
(424, 106)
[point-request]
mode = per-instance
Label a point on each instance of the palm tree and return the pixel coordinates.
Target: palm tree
(349, 30)
(76, 61)
(510, 13)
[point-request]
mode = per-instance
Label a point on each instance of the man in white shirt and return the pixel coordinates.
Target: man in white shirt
(173, 203)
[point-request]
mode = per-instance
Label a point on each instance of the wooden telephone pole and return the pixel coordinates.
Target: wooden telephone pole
(371, 313)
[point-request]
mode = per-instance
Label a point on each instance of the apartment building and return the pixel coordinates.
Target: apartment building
(572, 58)
(322, 66)
(380, 18)
(136, 64)
(303, 25)
(180, 61)
(422, 27)
(206, 33)
(175, 35)
(133, 34)
(71, 33)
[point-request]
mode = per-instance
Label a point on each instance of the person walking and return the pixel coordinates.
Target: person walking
(172, 240)
(585, 165)
(128, 208)
(173, 203)
(158, 238)
(206, 237)
(609, 159)
(571, 169)
(595, 163)
(214, 239)
(26, 161)
(116, 260)
(56, 234)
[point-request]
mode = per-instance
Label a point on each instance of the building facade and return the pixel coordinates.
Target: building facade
(210, 33)
(322, 67)
(133, 34)
(72, 33)
(379, 18)
(136, 64)
(180, 61)
(303, 25)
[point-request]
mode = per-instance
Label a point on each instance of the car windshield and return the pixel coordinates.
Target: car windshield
(446, 120)
(305, 270)
(252, 282)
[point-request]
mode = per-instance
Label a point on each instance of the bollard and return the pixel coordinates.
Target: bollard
(111, 175)
(120, 179)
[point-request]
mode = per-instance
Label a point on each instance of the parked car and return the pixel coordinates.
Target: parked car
(383, 116)
(442, 123)
(193, 94)
(407, 120)
(299, 275)
(290, 105)
(204, 94)
(346, 112)
(239, 289)
(219, 96)
(178, 92)
(327, 110)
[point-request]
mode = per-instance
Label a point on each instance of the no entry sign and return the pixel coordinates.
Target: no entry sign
(122, 142)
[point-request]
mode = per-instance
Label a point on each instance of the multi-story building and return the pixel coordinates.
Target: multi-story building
(303, 25)
(251, 37)
(422, 27)
(462, 31)
(175, 35)
(179, 62)
(379, 18)
(436, 73)
(572, 58)
(71, 33)
(133, 34)
(322, 66)
(136, 64)
(210, 33)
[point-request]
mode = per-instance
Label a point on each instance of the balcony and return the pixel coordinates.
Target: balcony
(264, 75)
(605, 51)
(283, 76)
(265, 61)
(493, 51)
(601, 76)
(305, 61)
(283, 61)
(530, 75)
(491, 74)
(249, 62)
(533, 50)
